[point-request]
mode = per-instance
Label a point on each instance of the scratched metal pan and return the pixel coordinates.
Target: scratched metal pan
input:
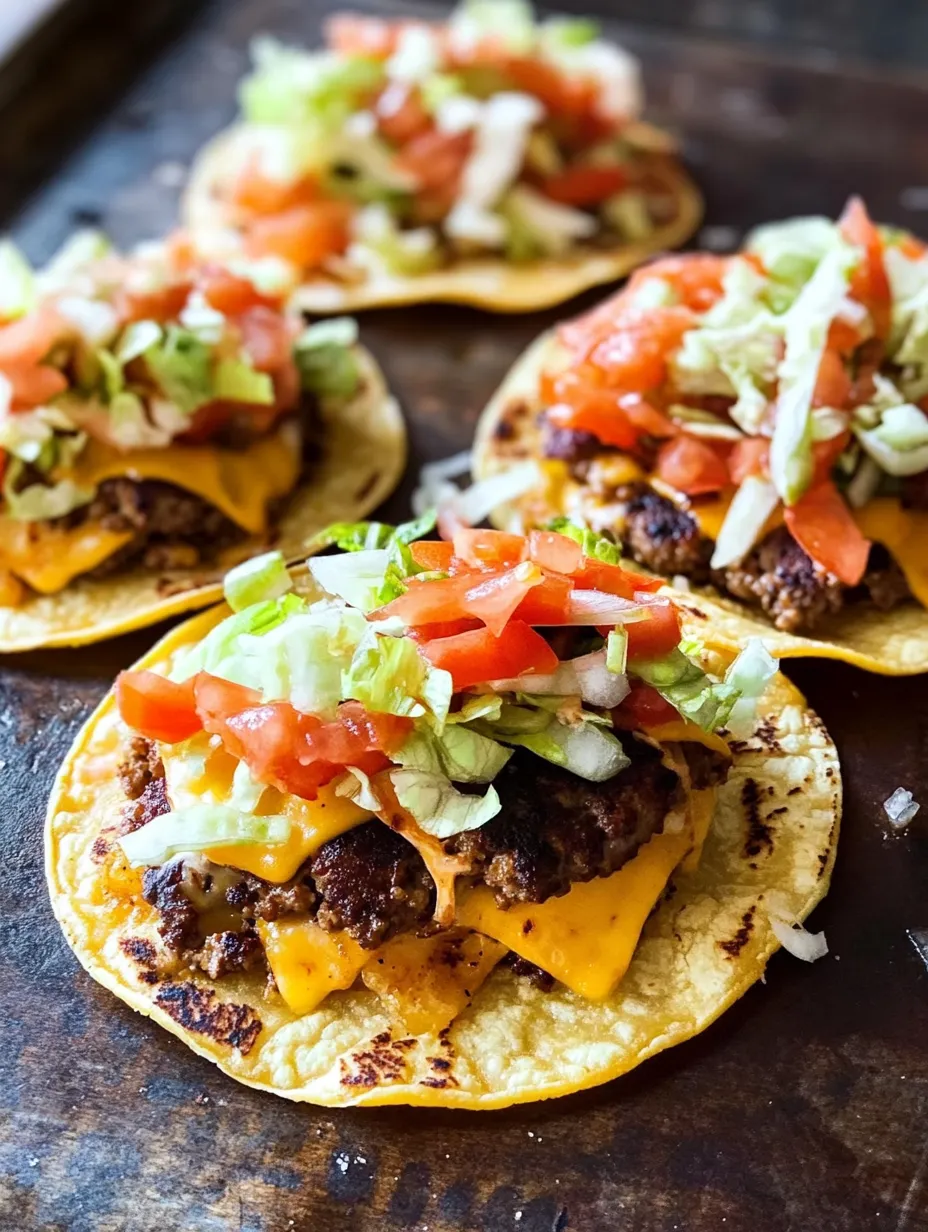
(806, 1106)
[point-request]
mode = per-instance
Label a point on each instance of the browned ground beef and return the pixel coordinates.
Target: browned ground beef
(263, 900)
(707, 767)
(777, 575)
(164, 888)
(663, 537)
(142, 777)
(373, 884)
(223, 953)
(528, 971)
(569, 445)
(555, 829)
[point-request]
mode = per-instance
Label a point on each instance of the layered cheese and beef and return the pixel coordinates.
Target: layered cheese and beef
(438, 767)
(757, 422)
(153, 411)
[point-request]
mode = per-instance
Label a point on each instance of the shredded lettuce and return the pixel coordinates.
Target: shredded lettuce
(197, 829)
(80, 250)
(460, 753)
(316, 91)
(360, 536)
(237, 381)
(182, 366)
(806, 330)
(617, 651)
(588, 749)
(561, 33)
(389, 676)
(408, 251)
(327, 361)
(745, 520)
(256, 580)
(510, 23)
(684, 684)
(792, 250)
(220, 652)
(540, 227)
(356, 577)
(38, 502)
(438, 807)
(595, 545)
(749, 674)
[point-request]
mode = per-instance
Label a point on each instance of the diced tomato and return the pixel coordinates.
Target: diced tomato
(832, 385)
(267, 337)
(272, 740)
(912, 247)
(634, 357)
(843, 337)
(584, 185)
(749, 456)
(696, 277)
(432, 554)
(163, 304)
(658, 635)
(355, 35)
(156, 707)
(444, 628)
(229, 294)
(559, 553)
(613, 579)
(33, 386)
(493, 548)
(427, 603)
(561, 95)
(869, 283)
(691, 466)
(476, 657)
(435, 160)
(825, 454)
(617, 420)
(303, 235)
(400, 114)
(181, 250)
(257, 193)
(493, 599)
(824, 527)
(643, 708)
(217, 700)
(26, 342)
(547, 603)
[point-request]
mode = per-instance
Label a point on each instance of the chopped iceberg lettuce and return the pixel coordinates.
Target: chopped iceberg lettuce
(326, 359)
(460, 753)
(594, 544)
(38, 502)
(806, 330)
(586, 749)
(792, 250)
(316, 90)
(510, 23)
(356, 577)
(389, 676)
(539, 227)
(408, 251)
(745, 520)
(749, 674)
(236, 381)
(684, 684)
(223, 654)
(438, 807)
(256, 580)
(182, 366)
(197, 829)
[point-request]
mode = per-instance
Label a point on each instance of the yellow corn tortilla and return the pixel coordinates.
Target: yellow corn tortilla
(363, 455)
(771, 848)
(893, 643)
(485, 282)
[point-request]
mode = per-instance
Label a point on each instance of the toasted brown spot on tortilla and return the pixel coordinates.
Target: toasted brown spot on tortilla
(695, 612)
(200, 1010)
(777, 811)
(736, 944)
(384, 1061)
(439, 1084)
(759, 836)
(794, 791)
(766, 733)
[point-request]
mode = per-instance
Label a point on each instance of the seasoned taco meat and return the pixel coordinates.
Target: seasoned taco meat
(663, 537)
(165, 888)
(141, 775)
(373, 884)
(777, 575)
(526, 970)
(569, 444)
(227, 952)
(265, 900)
(555, 829)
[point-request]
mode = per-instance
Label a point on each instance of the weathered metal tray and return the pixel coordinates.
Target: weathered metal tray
(806, 1107)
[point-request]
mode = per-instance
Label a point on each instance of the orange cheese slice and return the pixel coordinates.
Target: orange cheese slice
(308, 963)
(49, 557)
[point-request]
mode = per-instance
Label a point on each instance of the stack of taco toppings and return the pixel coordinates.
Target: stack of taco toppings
(758, 422)
(406, 148)
(154, 410)
(447, 755)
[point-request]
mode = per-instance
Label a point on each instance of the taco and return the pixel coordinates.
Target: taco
(460, 823)
(161, 419)
(487, 160)
(753, 428)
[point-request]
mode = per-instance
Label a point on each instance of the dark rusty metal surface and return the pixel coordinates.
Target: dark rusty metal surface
(805, 1108)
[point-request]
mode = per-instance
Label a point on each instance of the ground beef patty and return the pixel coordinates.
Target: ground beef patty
(373, 884)
(777, 575)
(555, 829)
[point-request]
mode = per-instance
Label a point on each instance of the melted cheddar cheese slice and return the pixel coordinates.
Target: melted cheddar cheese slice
(585, 939)
(197, 773)
(427, 981)
(49, 557)
(308, 963)
(238, 482)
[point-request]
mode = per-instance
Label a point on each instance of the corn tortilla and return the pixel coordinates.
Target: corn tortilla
(771, 848)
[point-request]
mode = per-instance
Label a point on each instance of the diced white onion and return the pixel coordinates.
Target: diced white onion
(594, 607)
(864, 484)
(458, 114)
(587, 676)
(479, 501)
(798, 941)
(475, 224)
(416, 56)
(499, 147)
(901, 808)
